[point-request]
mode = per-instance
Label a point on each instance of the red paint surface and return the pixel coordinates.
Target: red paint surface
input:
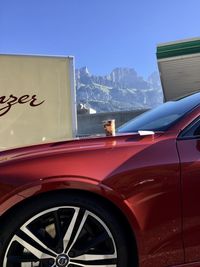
(142, 176)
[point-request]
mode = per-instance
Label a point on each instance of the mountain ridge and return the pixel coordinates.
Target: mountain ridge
(122, 89)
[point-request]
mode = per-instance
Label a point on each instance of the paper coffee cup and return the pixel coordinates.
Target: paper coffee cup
(109, 127)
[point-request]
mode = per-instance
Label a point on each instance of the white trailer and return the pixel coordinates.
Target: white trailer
(37, 100)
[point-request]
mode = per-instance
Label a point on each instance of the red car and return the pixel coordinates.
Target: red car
(130, 200)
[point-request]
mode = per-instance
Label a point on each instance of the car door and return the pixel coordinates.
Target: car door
(188, 144)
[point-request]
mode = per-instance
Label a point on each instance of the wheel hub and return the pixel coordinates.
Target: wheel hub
(62, 260)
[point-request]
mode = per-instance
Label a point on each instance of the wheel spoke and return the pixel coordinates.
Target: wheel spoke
(91, 257)
(35, 251)
(25, 230)
(58, 224)
(93, 265)
(70, 229)
(58, 228)
(74, 229)
(80, 227)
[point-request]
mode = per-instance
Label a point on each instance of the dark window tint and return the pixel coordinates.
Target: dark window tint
(162, 117)
(193, 130)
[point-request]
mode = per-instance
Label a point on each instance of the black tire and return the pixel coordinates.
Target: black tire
(63, 230)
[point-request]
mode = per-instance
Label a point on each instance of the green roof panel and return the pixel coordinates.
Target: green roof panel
(178, 49)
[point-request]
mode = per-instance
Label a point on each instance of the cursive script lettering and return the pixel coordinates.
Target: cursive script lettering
(7, 102)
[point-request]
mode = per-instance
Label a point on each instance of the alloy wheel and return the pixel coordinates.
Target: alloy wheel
(63, 236)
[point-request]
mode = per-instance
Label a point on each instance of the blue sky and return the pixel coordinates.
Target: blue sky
(101, 34)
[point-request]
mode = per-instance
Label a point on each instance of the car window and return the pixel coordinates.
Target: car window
(162, 117)
(192, 131)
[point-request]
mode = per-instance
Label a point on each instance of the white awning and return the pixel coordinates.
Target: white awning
(179, 66)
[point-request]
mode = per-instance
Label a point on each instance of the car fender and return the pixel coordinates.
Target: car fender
(82, 184)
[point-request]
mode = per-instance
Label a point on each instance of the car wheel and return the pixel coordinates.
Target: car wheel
(63, 230)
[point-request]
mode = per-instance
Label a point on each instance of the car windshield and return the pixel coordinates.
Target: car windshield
(162, 117)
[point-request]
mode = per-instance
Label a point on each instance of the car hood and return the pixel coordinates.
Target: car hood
(76, 145)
